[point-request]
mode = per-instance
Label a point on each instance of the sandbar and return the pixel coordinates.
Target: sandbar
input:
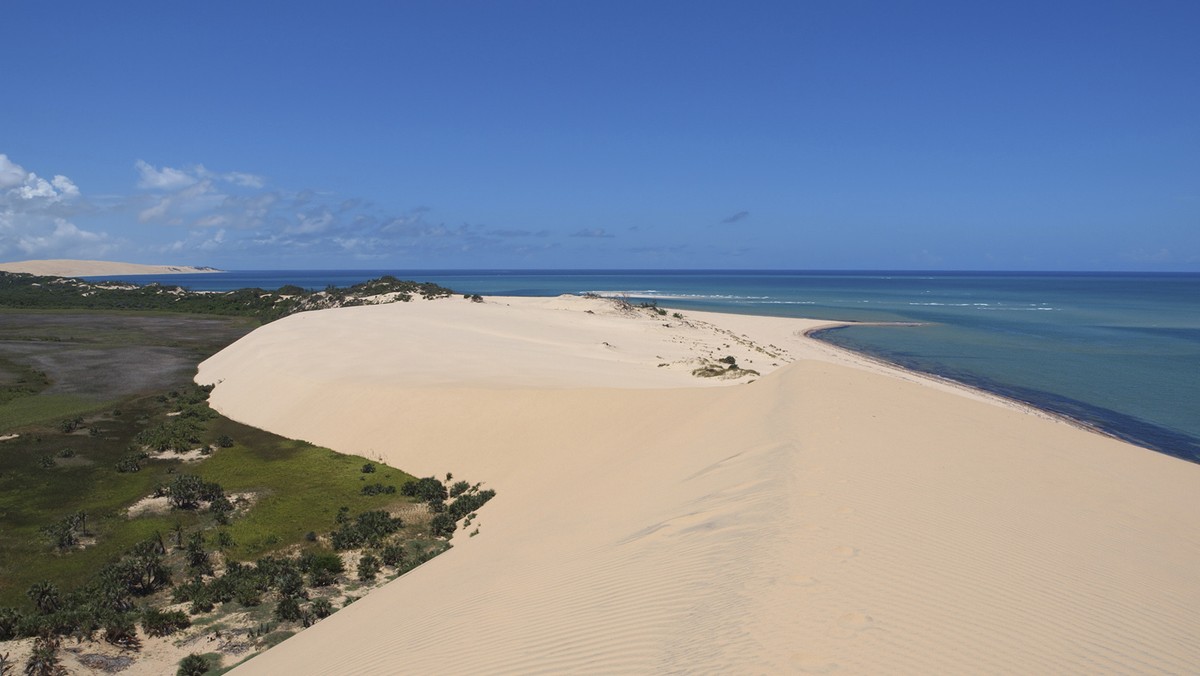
(85, 268)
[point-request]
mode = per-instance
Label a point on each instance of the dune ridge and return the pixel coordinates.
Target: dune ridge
(86, 268)
(834, 515)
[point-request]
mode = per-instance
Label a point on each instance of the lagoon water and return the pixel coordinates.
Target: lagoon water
(1118, 351)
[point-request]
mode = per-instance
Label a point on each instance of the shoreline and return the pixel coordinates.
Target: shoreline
(1020, 404)
(1156, 441)
(837, 513)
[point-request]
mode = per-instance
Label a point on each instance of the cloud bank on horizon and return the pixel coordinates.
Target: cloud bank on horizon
(605, 135)
(198, 214)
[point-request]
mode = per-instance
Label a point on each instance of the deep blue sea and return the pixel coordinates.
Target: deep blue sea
(1117, 351)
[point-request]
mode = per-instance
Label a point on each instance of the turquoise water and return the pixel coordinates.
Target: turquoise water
(1120, 352)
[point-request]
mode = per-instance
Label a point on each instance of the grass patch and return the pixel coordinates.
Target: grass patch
(299, 487)
(36, 408)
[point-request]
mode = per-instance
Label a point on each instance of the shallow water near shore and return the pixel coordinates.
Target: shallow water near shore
(1117, 351)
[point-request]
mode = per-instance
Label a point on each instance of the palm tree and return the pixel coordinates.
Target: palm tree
(45, 596)
(43, 660)
(192, 665)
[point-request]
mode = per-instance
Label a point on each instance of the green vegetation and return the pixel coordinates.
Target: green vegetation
(270, 491)
(31, 292)
(123, 492)
(193, 665)
(30, 409)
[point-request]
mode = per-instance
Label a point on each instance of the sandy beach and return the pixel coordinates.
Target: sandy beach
(828, 515)
(82, 268)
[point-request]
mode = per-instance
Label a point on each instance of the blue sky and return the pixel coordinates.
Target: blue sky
(830, 135)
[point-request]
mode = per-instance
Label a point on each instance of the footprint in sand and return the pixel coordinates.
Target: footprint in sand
(845, 552)
(850, 624)
(813, 664)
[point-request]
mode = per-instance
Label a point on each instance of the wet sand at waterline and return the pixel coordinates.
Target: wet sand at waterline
(831, 514)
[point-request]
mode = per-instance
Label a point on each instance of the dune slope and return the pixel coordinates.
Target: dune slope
(831, 516)
(84, 268)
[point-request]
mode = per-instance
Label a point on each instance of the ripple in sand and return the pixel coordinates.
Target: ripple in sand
(848, 625)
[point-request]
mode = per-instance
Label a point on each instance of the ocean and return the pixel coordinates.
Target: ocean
(1116, 351)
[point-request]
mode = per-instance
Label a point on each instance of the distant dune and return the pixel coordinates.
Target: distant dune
(832, 516)
(63, 267)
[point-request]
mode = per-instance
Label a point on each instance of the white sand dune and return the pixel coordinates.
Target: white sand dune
(832, 516)
(80, 268)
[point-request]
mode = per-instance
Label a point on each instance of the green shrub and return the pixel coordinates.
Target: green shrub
(428, 489)
(43, 658)
(120, 630)
(197, 557)
(45, 597)
(368, 528)
(368, 567)
(469, 502)
(184, 492)
(393, 555)
(442, 525)
(10, 621)
(459, 488)
(131, 463)
(164, 623)
(322, 608)
(288, 610)
(193, 665)
(69, 426)
(322, 568)
(377, 489)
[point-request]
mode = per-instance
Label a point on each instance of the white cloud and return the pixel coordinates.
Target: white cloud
(33, 215)
(65, 187)
(19, 184)
(174, 208)
(199, 197)
(244, 180)
(211, 221)
(213, 242)
(35, 187)
(64, 240)
(156, 212)
(313, 221)
(164, 179)
(193, 210)
(11, 174)
(170, 178)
